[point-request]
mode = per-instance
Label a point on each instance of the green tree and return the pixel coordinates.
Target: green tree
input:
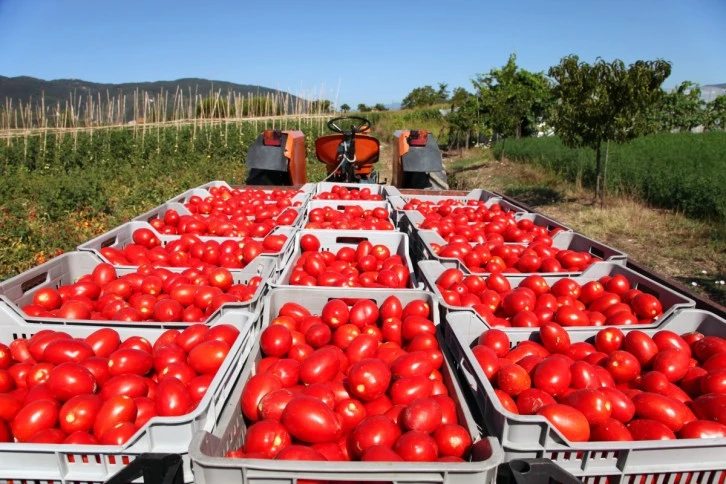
(420, 97)
(716, 114)
(380, 107)
(363, 108)
(321, 106)
(345, 108)
(464, 121)
(605, 102)
(214, 107)
(512, 99)
(681, 109)
(443, 93)
(459, 97)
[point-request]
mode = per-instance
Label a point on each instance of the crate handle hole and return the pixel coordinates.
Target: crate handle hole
(108, 242)
(34, 282)
(599, 253)
(350, 240)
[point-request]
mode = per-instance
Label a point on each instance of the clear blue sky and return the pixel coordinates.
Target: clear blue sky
(367, 51)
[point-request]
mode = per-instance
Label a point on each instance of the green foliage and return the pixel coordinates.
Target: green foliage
(513, 100)
(345, 108)
(363, 108)
(422, 97)
(680, 110)
(261, 106)
(380, 107)
(604, 102)
(63, 190)
(683, 171)
(321, 106)
(214, 107)
(716, 114)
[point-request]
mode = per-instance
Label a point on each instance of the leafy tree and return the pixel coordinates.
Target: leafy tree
(345, 108)
(443, 92)
(464, 121)
(380, 107)
(513, 99)
(605, 102)
(213, 107)
(420, 97)
(716, 113)
(681, 109)
(363, 108)
(459, 97)
(321, 106)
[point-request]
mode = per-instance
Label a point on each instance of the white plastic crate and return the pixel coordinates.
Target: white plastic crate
(159, 212)
(334, 240)
(207, 450)
(67, 464)
(399, 200)
(120, 237)
(670, 300)
(562, 240)
(326, 187)
(67, 268)
(341, 205)
(530, 436)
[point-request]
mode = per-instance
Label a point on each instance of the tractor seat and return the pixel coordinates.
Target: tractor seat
(367, 149)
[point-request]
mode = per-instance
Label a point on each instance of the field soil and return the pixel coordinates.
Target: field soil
(690, 251)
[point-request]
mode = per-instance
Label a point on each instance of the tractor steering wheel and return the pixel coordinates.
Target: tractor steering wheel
(363, 124)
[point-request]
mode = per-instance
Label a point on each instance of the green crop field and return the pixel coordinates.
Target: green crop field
(61, 190)
(685, 172)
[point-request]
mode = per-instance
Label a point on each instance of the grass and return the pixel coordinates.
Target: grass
(687, 249)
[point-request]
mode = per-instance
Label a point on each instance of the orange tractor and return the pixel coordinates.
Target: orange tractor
(350, 154)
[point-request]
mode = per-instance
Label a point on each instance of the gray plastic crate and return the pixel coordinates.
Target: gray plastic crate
(203, 192)
(341, 205)
(207, 450)
(215, 183)
(334, 240)
(326, 187)
(400, 200)
(562, 240)
(120, 237)
(97, 463)
(159, 212)
(669, 299)
(524, 436)
(67, 268)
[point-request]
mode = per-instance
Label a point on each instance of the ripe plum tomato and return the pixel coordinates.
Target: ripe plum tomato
(254, 390)
(368, 379)
(373, 431)
(267, 437)
(569, 421)
(310, 420)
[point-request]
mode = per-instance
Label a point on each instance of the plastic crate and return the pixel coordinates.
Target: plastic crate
(215, 183)
(341, 205)
(97, 463)
(541, 221)
(159, 212)
(203, 192)
(207, 450)
(670, 299)
(400, 200)
(326, 187)
(67, 268)
(334, 240)
(562, 240)
(532, 436)
(120, 237)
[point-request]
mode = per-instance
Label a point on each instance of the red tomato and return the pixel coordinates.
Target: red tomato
(368, 379)
(423, 414)
(554, 338)
(116, 410)
(702, 429)
(172, 398)
(320, 367)
(309, 243)
(551, 375)
(513, 379)
(275, 340)
(70, 379)
(310, 420)
(373, 431)
(644, 429)
(267, 437)
(610, 430)
(254, 390)
(208, 356)
(593, 404)
(571, 423)
(452, 440)
(641, 346)
(129, 385)
(128, 360)
(416, 446)
(34, 417)
(668, 411)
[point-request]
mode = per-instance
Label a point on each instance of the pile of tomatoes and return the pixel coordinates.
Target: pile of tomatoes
(149, 294)
(352, 217)
(353, 383)
(618, 387)
(366, 265)
(259, 224)
(538, 256)
(485, 225)
(348, 193)
(237, 202)
(609, 301)
(191, 251)
(56, 389)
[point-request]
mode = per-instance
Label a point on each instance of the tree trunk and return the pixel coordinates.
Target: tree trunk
(605, 176)
(597, 170)
(504, 141)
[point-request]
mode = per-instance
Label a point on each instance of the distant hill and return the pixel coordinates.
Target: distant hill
(712, 91)
(24, 88)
